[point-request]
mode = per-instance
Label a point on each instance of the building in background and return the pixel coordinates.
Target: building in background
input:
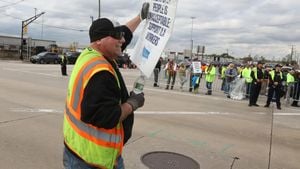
(10, 46)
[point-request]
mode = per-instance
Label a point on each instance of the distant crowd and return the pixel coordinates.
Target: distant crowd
(238, 81)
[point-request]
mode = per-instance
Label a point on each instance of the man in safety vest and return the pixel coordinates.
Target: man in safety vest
(63, 64)
(98, 118)
(210, 74)
(222, 73)
(246, 73)
(290, 82)
(296, 95)
(275, 80)
(257, 76)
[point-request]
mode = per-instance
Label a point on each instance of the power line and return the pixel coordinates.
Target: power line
(11, 4)
(63, 28)
(51, 26)
(63, 12)
(12, 16)
(47, 11)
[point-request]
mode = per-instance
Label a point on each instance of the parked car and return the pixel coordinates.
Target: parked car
(45, 57)
(72, 57)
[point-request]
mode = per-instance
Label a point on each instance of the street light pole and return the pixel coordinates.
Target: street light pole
(192, 43)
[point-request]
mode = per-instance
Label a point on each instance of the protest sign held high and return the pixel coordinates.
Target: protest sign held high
(155, 35)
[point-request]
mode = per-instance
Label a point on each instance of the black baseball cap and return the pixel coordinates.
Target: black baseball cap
(102, 28)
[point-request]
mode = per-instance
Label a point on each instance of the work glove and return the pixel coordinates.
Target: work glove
(136, 100)
(144, 10)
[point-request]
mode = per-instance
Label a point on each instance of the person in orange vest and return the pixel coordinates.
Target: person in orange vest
(171, 68)
(98, 117)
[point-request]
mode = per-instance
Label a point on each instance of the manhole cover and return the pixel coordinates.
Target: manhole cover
(168, 160)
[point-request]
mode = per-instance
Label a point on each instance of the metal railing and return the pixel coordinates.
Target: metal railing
(291, 91)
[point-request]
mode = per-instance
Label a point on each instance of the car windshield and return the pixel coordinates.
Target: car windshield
(41, 54)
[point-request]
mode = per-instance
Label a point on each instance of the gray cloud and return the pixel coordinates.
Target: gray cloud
(263, 27)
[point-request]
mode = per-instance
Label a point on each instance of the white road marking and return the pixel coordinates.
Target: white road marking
(30, 72)
(29, 110)
(287, 114)
(181, 113)
(42, 110)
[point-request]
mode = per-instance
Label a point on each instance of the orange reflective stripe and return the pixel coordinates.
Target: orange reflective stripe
(77, 89)
(80, 72)
(98, 137)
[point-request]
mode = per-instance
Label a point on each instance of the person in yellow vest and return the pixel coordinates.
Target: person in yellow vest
(257, 76)
(296, 94)
(63, 64)
(290, 82)
(98, 117)
(210, 74)
(246, 73)
(222, 73)
(275, 86)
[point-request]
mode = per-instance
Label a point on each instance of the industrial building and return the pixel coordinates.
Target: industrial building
(10, 46)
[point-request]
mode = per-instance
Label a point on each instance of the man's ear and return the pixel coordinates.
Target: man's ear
(99, 42)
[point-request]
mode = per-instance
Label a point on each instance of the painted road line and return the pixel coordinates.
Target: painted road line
(181, 113)
(30, 72)
(287, 114)
(43, 110)
(208, 113)
(29, 110)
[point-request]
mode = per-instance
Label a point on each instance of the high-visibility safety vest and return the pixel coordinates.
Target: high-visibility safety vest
(290, 79)
(64, 59)
(210, 74)
(255, 72)
(246, 73)
(98, 147)
(223, 72)
(272, 74)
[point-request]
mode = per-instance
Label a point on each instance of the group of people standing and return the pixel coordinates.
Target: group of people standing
(171, 69)
(258, 79)
(276, 83)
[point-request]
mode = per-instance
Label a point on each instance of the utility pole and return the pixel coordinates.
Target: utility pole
(25, 23)
(192, 43)
(292, 52)
(99, 15)
(42, 32)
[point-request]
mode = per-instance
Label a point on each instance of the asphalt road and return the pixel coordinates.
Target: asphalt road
(210, 129)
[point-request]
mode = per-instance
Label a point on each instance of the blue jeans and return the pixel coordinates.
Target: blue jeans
(209, 86)
(227, 87)
(70, 161)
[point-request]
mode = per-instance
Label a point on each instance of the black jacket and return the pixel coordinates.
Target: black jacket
(100, 104)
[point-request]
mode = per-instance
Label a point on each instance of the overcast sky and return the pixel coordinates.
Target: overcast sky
(258, 27)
